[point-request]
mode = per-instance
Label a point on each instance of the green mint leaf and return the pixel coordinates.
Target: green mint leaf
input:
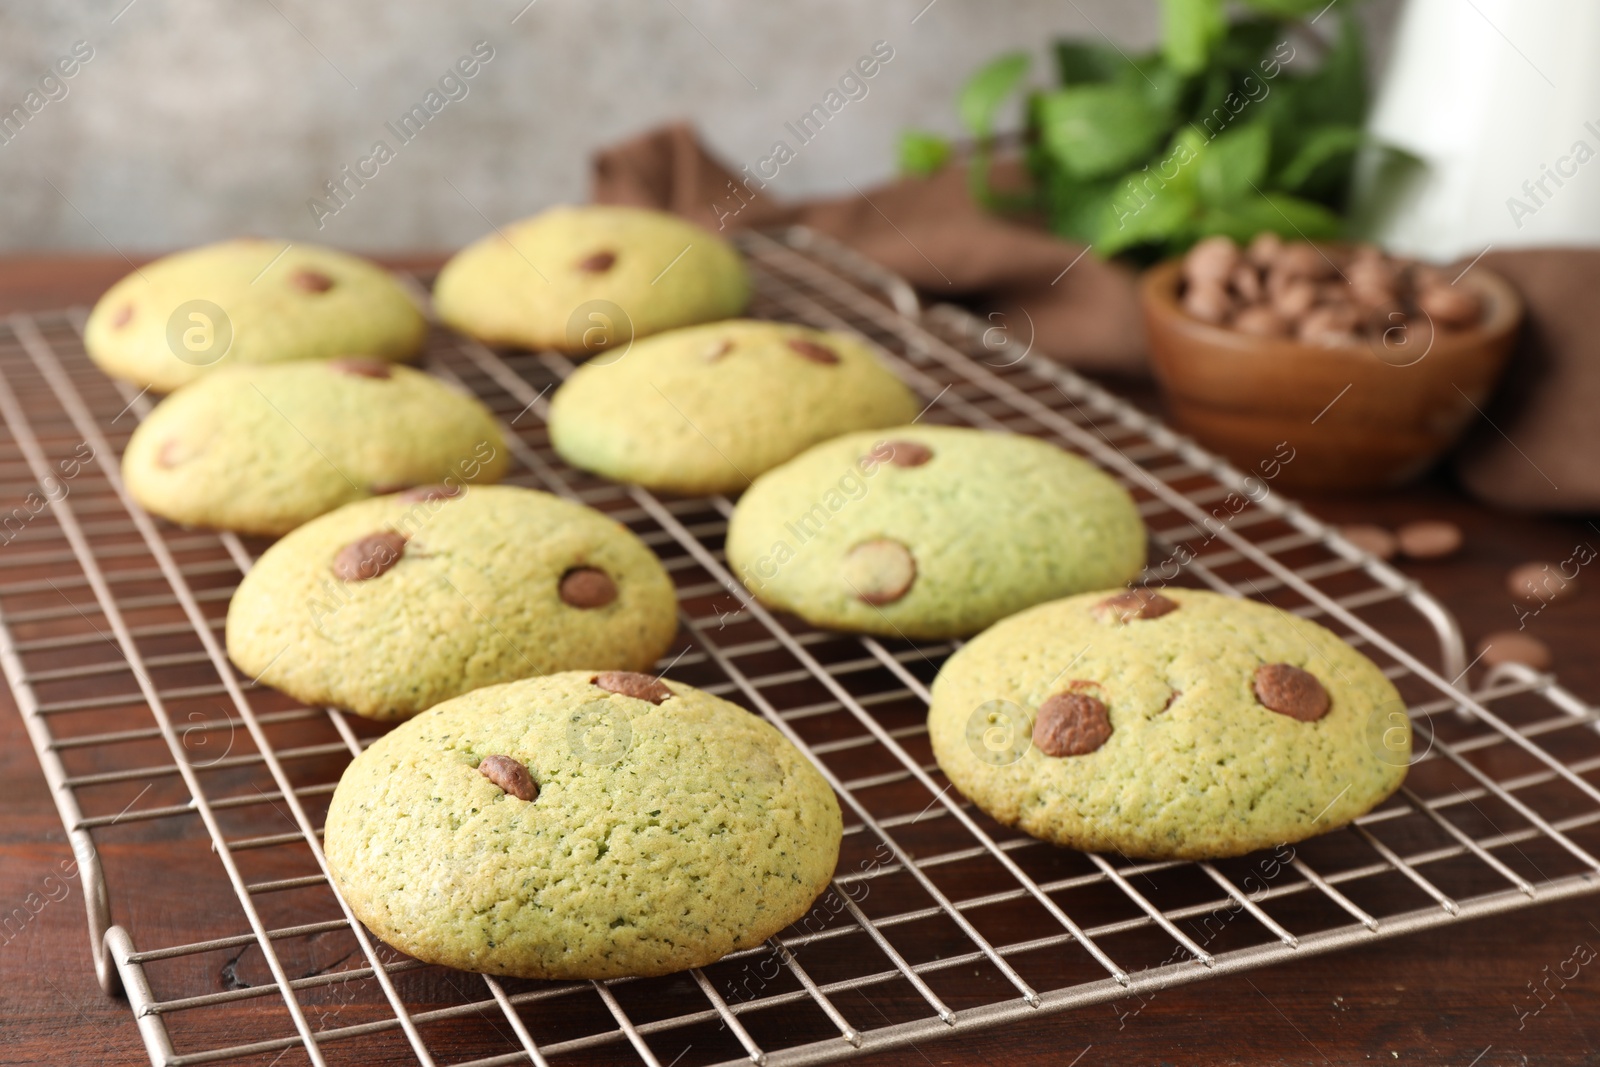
(1191, 29)
(922, 153)
(1321, 145)
(1287, 9)
(1287, 216)
(1098, 130)
(1080, 62)
(980, 98)
(1234, 165)
(1156, 203)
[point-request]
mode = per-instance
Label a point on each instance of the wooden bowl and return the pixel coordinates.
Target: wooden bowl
(1354, 417)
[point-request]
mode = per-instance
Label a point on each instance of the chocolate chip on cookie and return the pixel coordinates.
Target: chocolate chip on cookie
(598, 262)
(1071, 724)
(587, 587)
(633, 684)
(361, 367)
(880, 571)
(123, 316)
(807, 349)
(311, 281)
(901, 453)
(369, 557)
(1291, 691)
(1135, 604)
(510, 775)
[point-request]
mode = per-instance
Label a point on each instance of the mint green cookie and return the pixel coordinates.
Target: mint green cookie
(1208, 727)
(931, 531)
(262, 449)
(390, 605)
(706, 409)
(248, 301)
(578, 279)
(640, 835)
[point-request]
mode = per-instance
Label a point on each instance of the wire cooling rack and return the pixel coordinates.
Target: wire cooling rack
(194, 798)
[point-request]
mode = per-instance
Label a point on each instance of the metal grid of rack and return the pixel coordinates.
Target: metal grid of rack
(188, 789)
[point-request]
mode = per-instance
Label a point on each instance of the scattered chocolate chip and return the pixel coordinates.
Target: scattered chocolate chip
(816, 353)
(587, 587)
(122, 316)
(880, 571)
(598, 262)
(633, 684)
(431, 492)
(1370, 538)
(1539, 583)
(1135, 604)
(1291, 691)
(1450, 306)
(510, 775)
(369, 557)
(311, 281)
(901, 453)
(1513, 647)
(1071, 724)
(361, 367)
(173, 453)
(1429, 539)
(717, 349)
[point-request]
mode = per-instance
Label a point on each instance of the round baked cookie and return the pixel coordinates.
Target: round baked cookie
(248, 301)
(581, 825)
(578, 279)
(931, 531)
(263, 449)
(388, 606)
(705, 409)
(1179, 724)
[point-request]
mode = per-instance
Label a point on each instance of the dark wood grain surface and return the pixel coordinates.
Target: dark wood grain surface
(1447, 997)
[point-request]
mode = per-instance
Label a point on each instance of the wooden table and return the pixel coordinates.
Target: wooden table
(1440, 998)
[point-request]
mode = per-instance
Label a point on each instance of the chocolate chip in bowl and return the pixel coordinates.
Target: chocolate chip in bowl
(1367, 366)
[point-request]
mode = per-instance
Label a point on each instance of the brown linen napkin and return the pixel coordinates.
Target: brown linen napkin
(1538, 446)
(1081, 311)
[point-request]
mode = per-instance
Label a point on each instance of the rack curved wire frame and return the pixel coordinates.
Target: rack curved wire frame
(1266, 545)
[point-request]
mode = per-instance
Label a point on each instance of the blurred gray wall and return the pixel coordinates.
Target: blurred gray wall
(194, 120)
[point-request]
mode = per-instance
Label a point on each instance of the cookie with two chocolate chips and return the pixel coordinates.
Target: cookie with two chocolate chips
(581, 825)
(1170, 723)
(389, 606)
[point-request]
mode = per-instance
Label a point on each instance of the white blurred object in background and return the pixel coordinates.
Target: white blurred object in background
(1500, 101)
